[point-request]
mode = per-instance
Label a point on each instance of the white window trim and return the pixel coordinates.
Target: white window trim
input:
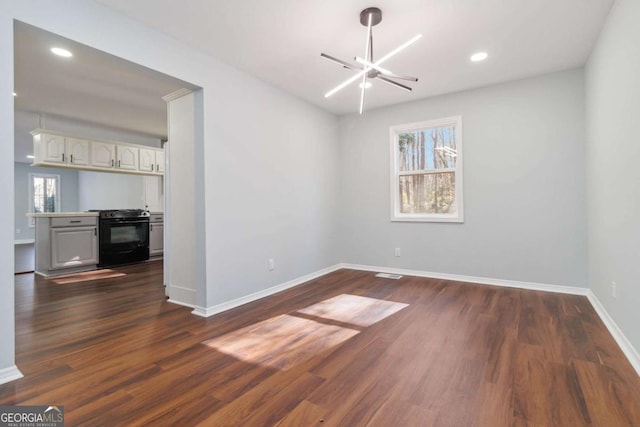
(32, 220)
(394, 132)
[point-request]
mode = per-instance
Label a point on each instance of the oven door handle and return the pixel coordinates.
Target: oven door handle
(126, 222)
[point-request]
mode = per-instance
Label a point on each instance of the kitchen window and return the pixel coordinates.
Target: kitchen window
(44, 194)
(426, 171)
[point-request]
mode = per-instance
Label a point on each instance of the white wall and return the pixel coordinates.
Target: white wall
(181, 227)
(274, 185)
(269, 174)
(524, 192)
(613, 175)
(104, 190)
(68, 195)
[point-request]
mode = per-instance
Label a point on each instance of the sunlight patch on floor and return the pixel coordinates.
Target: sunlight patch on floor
(354, 309)
(86, 276)
(285, 341)
(281, 342)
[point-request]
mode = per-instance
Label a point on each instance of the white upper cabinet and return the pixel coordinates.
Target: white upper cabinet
(62, 150)
(103, 154)
(160, 161)
(147, 160)
(151, 160)
(127, 157)
(59, 150)
(77, 151)
(51, 148)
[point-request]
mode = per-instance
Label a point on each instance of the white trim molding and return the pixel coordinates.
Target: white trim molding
(625, 345)
(10, 374)
(573, 290)
(181, 295)
(228, 305)
(395, 131)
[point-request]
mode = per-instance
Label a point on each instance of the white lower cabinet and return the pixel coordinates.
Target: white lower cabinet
(73, 247)
(66, 244)
(156, 235)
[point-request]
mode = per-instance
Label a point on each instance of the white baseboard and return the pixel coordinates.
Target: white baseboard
(10, 374)
(182, 296)
(573, 290)
(219, 308)
(625, 345)
(180, 303)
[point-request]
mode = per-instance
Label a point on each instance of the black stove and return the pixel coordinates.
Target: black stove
(120, 213)
(124, 236)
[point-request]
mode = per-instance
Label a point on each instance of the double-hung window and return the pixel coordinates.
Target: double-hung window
(44, 193)
(426, 171)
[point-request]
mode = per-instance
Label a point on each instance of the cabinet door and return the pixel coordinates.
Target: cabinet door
(52, 148)
(126, 157)
(73, 246)
(153, 197)
(147, 160)
(77, 152)
(160, 161)
(156, 235)
(103, 154)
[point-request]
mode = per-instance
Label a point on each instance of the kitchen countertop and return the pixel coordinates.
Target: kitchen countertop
(61, 214)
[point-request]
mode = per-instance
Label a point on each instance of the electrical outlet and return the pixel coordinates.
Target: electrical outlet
(614, 290)
(397, 253)
(272, 264)
(18, 231)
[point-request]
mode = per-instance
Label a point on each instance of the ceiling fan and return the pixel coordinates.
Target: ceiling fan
(366, 66)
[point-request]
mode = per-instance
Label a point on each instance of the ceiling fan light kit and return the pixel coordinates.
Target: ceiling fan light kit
(367, 67)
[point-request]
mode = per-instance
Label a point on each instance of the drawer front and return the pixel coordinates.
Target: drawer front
(156, 218)
(74, 221)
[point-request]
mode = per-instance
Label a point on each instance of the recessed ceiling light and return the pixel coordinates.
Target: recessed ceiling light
(15, 94)
(479, 56)
(30, 157)
(367, 85)
(61, 52)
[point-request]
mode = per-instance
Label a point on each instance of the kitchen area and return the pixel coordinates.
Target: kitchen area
(89, 172)
(96, 235)
(69, 242)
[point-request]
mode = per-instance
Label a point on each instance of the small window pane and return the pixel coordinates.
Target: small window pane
(51, 195)
(432, 193)
(427, 149)
(44, 193)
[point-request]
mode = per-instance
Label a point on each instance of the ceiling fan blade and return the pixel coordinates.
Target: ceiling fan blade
(339, 62)
(392, 83)
(397, 76)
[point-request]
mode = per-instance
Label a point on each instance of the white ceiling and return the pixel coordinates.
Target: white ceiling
(280, 41)
(92, 86)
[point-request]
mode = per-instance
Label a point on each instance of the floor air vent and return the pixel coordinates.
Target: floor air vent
(389, 276)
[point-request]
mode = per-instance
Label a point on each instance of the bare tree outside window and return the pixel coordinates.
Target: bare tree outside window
(426, 164)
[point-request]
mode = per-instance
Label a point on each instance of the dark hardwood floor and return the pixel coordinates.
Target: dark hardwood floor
(347, 349)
